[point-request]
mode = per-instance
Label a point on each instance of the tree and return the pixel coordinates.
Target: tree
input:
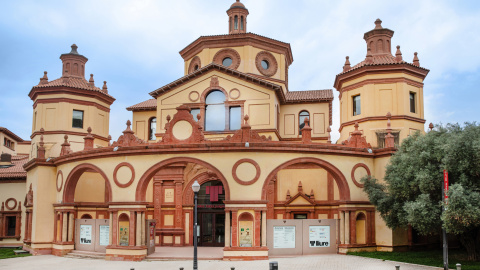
(411, 191)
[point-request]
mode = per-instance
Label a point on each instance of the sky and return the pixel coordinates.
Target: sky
(134, 45)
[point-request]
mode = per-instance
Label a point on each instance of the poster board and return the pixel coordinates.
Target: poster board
(318, 236)
(123, 233)
(86, 234)
(246, 233)
(283, 236)
(104, 235)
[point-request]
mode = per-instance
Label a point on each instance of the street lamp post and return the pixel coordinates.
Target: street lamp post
(195, 188)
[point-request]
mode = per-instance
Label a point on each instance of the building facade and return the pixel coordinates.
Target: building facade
(259, 151)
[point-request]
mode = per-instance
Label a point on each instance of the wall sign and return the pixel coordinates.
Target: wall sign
(86, 234)
(284, 237)
(104, 235)
(124, 232)
(319, 236)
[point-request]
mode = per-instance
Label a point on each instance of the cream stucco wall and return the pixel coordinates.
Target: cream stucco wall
(319, 119)
(17, 192)
(247, 63)
(140, 123)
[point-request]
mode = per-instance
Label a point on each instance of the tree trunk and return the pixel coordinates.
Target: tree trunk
(471, 242)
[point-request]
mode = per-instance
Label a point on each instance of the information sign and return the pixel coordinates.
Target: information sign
(284, 237)
(86, 234)
(104, 235)
(319, 236)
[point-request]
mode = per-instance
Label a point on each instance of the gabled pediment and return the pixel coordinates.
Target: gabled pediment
(300, 199)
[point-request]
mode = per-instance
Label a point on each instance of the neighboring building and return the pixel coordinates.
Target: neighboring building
(12, 187)
(259, 151)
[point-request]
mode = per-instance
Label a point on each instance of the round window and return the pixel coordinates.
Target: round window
(265, 64)
(227, 61)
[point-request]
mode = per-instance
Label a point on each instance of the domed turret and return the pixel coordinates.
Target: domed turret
(237, 18)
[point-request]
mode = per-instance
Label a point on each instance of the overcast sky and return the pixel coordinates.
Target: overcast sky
(134, 45)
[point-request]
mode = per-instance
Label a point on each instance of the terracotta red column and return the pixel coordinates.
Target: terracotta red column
(178, 205)
(157, 201)
(353, 228)
(114, 228)
(271, 199)
(234, 229)
(257, 228)
(131, 236)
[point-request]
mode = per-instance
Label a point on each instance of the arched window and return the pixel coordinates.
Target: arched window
(152, 128)
(301, 120)
(86, 216)
(241, 23)
(215, 111)
(236, 22)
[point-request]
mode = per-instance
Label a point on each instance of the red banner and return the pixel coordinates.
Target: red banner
(445, 184)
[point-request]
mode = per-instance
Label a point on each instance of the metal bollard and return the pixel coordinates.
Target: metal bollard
(181, 268)
(132, 268)
(273, 265)
(397, 267)
(232, 268)
(459, 266)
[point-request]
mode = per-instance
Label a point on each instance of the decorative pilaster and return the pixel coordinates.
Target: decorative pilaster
(257, 228)
(342, 227)
(347, 227)
(234, 229)
(353, 228)
(71, 226)
(264, 228)
(131, 236)
(227, 228)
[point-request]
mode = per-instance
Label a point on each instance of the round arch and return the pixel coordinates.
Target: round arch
(338, 176)
(141, 192)
(74, 176)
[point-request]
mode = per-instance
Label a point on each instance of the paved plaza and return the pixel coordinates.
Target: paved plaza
(330, 262)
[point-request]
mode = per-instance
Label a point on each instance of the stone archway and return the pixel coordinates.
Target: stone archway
(338, 176)
(74, 176)
(140, 195)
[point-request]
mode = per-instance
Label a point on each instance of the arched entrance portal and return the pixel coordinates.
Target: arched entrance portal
(211, 214)
(167, 188)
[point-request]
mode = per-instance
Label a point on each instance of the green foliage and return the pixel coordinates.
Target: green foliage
(6, 253)
(411, 192)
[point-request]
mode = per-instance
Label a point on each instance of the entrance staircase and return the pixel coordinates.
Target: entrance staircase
(79, 254)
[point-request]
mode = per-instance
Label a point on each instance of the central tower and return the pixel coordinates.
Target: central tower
(237, 18)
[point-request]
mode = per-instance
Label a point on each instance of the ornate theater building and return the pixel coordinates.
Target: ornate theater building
(260, 151)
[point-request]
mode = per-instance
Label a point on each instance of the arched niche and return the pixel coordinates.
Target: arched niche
(361, 228)
(338, 177)
(79, 173)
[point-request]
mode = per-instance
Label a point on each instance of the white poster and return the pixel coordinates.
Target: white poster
(104, 235)
(319, 236)
(86, 234)
(283, 236)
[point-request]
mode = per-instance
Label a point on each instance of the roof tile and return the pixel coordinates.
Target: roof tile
(150, 104)
(74, 82)
(309, 95)
(15, 171)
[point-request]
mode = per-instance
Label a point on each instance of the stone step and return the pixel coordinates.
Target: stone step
(85, 255)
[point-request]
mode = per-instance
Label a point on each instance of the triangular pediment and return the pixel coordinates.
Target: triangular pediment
(226, 72)
(300, 199)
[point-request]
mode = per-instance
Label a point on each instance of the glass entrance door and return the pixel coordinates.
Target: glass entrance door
(212, 229)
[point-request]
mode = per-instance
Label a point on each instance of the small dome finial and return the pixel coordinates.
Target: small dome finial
(378, 24)
(104, 88)
(74, 49)
(416, 62)
(347, 66)
(398, 54)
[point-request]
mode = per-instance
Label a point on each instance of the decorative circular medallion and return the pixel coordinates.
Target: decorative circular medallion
(121, 174)
(182, 130)
(195, 64)
(59, 180)
(9, 202)
(358, 171)
(246, 171)
(222, 56)
(266, 63)
(234, 93)
(193, 96)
